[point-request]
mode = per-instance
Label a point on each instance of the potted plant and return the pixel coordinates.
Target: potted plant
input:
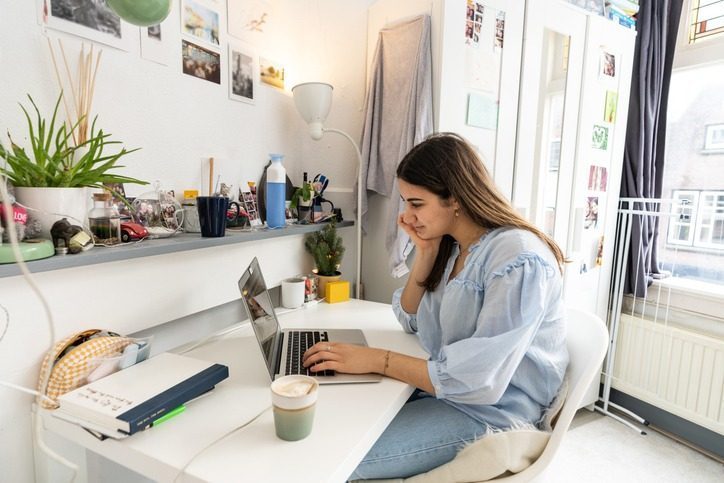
(53, 175)
(327, 249)
(302, 198)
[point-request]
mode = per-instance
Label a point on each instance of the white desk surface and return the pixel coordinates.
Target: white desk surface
(348, 418)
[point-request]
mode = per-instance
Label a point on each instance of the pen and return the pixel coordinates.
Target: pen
(169, 415)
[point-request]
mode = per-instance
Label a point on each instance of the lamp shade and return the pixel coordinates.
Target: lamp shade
(143, 13)
(313, 101)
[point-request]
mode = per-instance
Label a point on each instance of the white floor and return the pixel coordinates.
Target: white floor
(599, 449)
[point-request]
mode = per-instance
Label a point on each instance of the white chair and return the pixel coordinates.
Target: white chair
(526, 453)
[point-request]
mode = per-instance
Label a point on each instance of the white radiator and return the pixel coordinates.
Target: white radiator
(677, 370)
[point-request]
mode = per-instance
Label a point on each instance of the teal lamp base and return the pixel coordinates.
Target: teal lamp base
(30, 250)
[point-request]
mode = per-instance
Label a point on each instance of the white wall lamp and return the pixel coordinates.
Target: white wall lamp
(313, 101)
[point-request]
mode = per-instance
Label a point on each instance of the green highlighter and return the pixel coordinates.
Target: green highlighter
(169, 415)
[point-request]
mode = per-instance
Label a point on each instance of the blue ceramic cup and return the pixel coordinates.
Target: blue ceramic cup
(212, 215)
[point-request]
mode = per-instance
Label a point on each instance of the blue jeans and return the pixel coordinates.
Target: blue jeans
(425, 434)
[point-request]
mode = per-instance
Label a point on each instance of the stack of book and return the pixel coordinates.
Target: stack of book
(140, 396)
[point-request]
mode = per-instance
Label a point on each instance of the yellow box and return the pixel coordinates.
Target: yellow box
(337, 291)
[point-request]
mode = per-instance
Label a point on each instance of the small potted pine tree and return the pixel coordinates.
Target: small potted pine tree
(327, 249)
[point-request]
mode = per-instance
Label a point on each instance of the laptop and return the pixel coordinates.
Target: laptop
(283, 349)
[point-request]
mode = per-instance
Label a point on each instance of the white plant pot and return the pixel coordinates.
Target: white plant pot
(49, 205)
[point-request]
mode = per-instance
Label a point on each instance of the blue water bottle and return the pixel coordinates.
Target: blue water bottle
(276, 188)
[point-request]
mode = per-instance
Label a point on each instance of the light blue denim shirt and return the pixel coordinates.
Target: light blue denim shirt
(495, 333)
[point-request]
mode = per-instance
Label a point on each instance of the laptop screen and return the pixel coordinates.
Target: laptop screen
(260, 310)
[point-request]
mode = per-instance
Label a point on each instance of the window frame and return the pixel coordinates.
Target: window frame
(690, 55)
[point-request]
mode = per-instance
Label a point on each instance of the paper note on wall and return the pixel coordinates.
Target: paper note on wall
(482, 111)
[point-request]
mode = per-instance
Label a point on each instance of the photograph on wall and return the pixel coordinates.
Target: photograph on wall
(591, 219)
(597, 178)
(200, 19)
(499, 29)
(271, 73)
(159, 43)
(599, 137)
(609, 112)
(607, 65)
(599, 252)
(90, 20)
(200, 62)
(241, 73)
(250, 20)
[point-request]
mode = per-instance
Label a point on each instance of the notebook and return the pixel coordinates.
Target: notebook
(283, 349)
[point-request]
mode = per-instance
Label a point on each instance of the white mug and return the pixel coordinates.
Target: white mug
(292, 293)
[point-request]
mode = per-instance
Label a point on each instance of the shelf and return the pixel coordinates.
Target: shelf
(148, 248)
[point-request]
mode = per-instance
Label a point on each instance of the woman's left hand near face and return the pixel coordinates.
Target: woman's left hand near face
(346, 358)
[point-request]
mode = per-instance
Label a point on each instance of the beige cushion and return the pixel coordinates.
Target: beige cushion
(496, 454)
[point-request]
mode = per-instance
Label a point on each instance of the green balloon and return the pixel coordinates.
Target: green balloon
(143, 13)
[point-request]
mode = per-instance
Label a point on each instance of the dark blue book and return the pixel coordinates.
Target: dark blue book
(129, 400)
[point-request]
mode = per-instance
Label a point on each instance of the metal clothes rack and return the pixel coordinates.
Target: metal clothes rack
(628, 209)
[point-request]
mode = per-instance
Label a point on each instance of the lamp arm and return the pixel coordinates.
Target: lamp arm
(358, 221)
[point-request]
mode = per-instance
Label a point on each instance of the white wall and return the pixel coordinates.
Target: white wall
(177, 120)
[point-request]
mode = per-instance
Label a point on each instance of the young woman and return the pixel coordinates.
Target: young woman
(484, 298)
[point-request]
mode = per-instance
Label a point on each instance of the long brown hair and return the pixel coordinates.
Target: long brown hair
(446, 165)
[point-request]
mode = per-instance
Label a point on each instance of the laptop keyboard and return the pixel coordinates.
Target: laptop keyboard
(299, 342)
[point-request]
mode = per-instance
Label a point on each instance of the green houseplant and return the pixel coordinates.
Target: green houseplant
(55, 162)
(53, 174)
(327, 249)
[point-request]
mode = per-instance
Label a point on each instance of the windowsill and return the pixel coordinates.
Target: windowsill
(692, 287)
(160, 246)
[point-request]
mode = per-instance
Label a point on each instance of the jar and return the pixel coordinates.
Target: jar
(104, 220)
(191, 214)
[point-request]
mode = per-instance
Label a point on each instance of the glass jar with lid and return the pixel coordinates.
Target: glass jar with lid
(104, 220)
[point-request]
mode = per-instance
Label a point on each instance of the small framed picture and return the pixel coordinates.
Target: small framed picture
(91, 20)
(242, 73)
(200, 19)
(599, 137)
(271, 73)
(714, 138)
(200, 62)
(607, 65)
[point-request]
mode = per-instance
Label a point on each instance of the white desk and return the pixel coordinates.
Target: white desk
(348, 418)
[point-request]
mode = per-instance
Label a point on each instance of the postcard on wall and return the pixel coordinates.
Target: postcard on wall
(251, 20)
(597, 178)
(609, 113)
(90, 20)
(599, 136)
(607, 65)
(591, 219)
(271, 73)
(159, 43)
(499, 29)
(200, 62)
(200, 19)
(242, 72)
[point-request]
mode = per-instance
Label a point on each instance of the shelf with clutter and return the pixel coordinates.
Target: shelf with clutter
(160, 246)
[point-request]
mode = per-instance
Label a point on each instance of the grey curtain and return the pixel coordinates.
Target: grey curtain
(643, 166)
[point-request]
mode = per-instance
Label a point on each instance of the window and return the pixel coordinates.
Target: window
(698, 219)
(706, 19)
(691, 242)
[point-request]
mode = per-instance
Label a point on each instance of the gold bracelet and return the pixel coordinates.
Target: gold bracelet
(387, 363)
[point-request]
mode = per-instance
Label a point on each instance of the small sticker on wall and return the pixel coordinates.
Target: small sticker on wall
(597, 178)
(591, 219)
(609, 113)
(599, 137)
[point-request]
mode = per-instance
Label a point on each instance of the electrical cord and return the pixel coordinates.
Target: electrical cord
(14, 242)
(218, 440)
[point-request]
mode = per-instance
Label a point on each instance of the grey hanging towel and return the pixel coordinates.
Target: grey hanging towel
(398, 115)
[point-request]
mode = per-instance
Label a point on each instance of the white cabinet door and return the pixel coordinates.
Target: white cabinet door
(548, 115)
(476, 77)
